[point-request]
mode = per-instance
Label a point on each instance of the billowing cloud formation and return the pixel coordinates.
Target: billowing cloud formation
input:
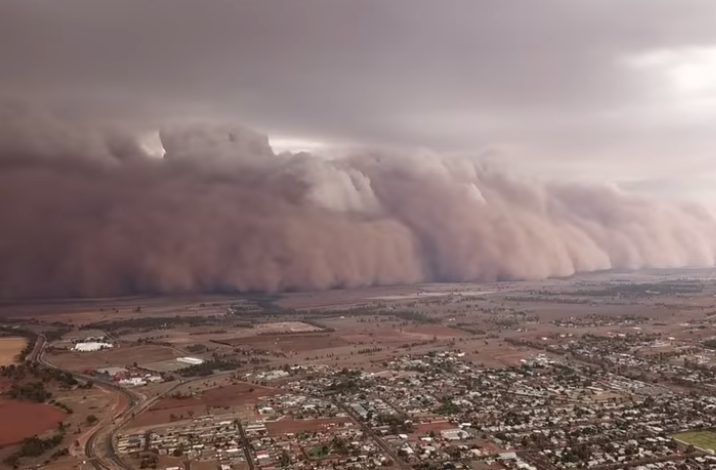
(85, 213)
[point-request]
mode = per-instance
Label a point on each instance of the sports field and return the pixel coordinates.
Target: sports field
(701, 439)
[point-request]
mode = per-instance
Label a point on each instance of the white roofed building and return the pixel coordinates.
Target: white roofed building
(194, 361)
(92, 346)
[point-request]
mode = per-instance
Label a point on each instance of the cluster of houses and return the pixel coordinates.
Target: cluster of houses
(128, 378)
(440, 411)
(599, 321)
(203, 438)
(542, 404)
(650, 356)
(342, 445)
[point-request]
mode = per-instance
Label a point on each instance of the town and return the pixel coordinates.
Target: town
(598, 373)
(438, 411)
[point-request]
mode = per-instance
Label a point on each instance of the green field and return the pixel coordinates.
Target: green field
(699, 439)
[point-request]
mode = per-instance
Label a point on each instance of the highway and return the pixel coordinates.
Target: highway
(369, 431)
(38, 347)
(245, 444)
(105, 432)
(134, 404)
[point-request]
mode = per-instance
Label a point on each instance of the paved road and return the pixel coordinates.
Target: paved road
(245, 444)
(133, 401)
(36, 349)
(106, 432)
(378, 440)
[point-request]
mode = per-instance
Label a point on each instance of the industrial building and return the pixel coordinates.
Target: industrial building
(193, 361)
(91, 346)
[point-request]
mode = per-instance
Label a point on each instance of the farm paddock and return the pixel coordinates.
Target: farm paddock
(44, 418)
(10, 348)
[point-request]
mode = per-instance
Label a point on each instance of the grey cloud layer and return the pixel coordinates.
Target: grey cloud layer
(372, 70)
(84, 213)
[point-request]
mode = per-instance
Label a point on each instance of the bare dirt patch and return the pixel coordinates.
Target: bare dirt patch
(181, 336)
(435, 426)
(10, 348)
(294, 426)
(119, 356)
(290, 342)
(158, 417)
(234, 397)
(44, 417)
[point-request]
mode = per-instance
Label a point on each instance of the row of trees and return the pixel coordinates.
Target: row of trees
(19, 372)
(35, 447)
(208, 367)
(148, 323)
(34, 391)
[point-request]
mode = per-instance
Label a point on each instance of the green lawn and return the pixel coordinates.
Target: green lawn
(700, 439)
(320, 452)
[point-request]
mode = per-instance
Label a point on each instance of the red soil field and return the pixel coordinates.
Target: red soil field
(237, 394)
(23, 419)
(284, 426)
(118, 356)
(436, 426)
(489, 447)
(154, 417)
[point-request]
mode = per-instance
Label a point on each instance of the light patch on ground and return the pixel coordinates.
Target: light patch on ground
(10, 348)
(423, 295)
(285, 327)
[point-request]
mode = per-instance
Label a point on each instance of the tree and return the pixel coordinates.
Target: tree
(91, 419)
(285, 460)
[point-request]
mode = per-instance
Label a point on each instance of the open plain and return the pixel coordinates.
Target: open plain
(10, 348)
(22, 420)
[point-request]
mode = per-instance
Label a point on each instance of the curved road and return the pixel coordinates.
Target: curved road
(136, 403)
(133, 400)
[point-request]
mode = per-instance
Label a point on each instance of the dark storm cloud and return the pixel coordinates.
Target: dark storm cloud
(363, 71)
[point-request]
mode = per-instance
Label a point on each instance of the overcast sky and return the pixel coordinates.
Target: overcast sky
(623, 90)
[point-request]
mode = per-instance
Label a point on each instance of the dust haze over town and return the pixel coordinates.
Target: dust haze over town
(334, 235)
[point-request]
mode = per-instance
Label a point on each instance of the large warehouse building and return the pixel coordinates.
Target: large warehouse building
(91, 346)
(194, 361)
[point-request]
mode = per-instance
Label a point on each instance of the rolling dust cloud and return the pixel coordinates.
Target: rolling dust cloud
(87, 212)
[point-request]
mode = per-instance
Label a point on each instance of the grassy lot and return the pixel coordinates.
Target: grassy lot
(320, 452)
(700, 439)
